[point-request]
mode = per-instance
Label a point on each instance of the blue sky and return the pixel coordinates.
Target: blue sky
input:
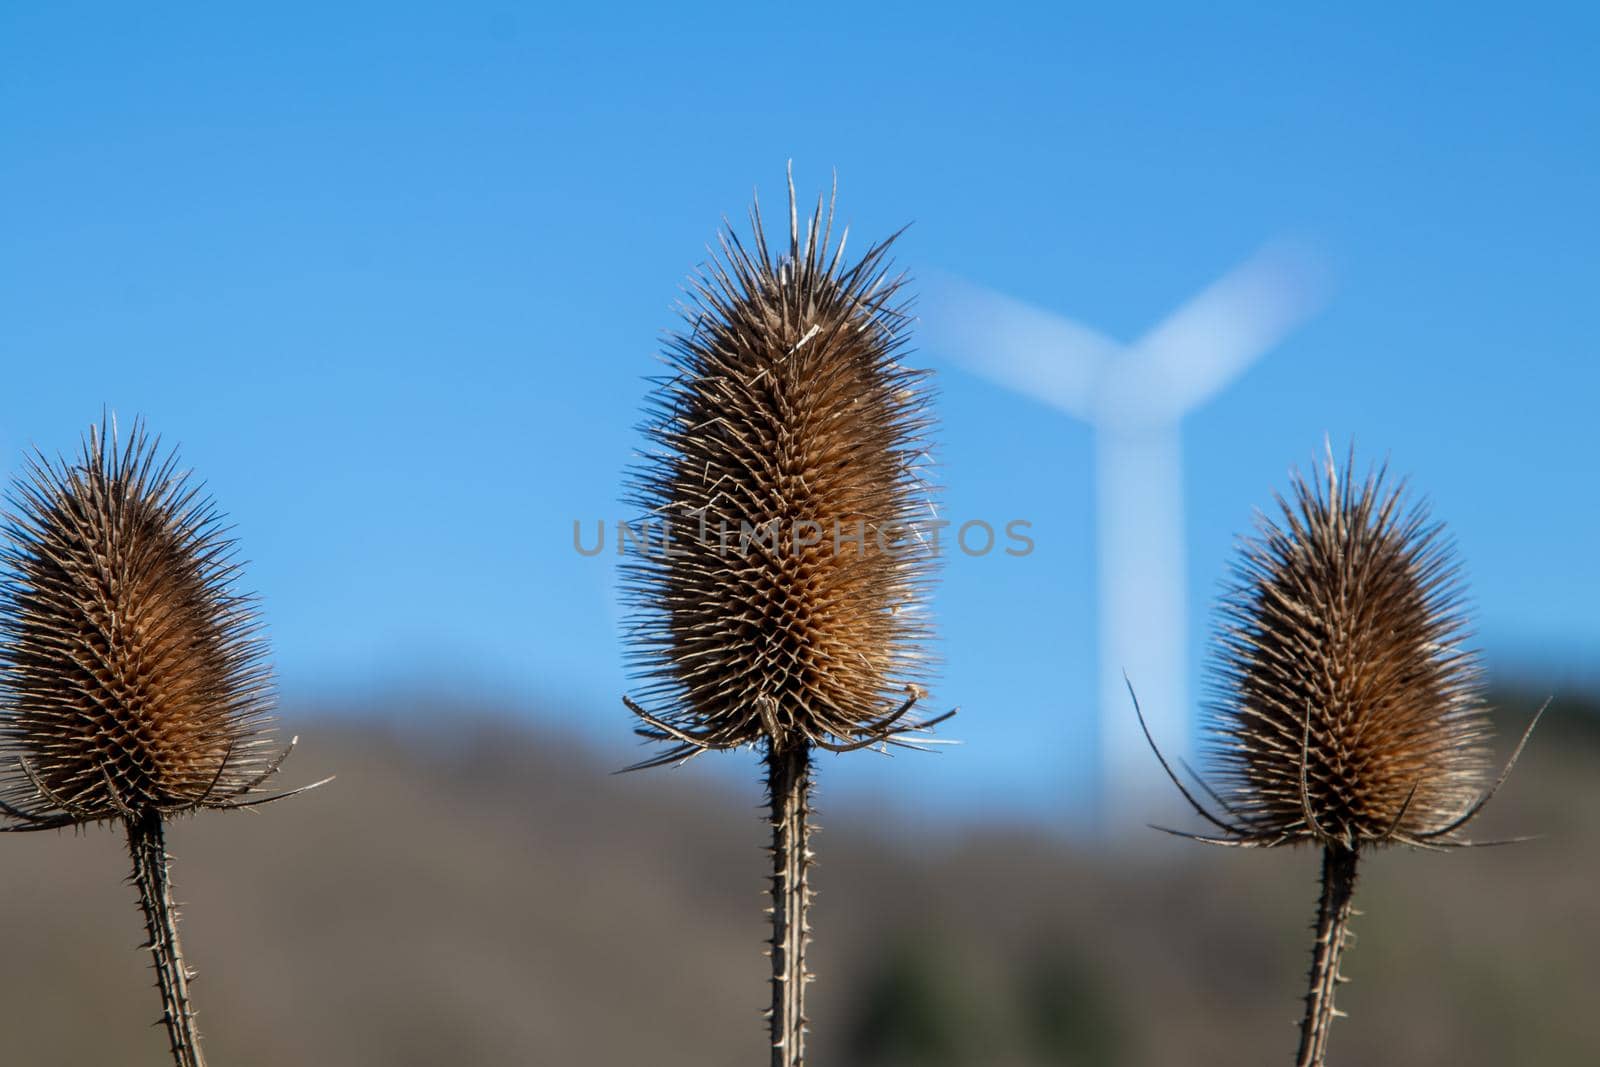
(393, 274)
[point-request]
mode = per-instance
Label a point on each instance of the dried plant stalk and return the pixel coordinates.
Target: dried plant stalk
(789, 781)
(133, 681)
(1333, 926)
(1349, 713)
(151, 874)
(787, 478)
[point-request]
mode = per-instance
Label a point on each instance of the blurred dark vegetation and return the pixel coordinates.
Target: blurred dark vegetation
(470, 892)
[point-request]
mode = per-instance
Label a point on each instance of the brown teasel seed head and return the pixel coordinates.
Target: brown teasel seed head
(132, 676)
(1346, 708)
(779, 596)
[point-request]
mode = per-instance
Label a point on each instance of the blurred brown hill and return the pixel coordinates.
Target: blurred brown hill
(471, 892)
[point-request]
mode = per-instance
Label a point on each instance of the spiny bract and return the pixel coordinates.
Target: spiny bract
(132, 679)
(789, 476)
(1346, 708)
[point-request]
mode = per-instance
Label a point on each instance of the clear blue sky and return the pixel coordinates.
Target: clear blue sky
(393, 274)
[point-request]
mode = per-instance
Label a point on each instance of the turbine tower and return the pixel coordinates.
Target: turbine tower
(1135, 397)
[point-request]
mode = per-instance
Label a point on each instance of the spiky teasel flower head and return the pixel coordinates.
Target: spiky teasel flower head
(132, 678)
(1347, 709)
(788, 474)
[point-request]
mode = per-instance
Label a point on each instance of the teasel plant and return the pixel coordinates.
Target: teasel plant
(1347, 711)
(134, 686)
(784, 605)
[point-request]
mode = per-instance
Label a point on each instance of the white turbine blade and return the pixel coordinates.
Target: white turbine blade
(1143, 613)
(1208, 342)
(1016, 345)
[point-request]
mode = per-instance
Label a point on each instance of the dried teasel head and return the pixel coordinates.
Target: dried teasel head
(787, 483)
(132, 677)
(1347, 709)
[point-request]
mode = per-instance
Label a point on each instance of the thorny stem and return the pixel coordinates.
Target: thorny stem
(788, 786)
(147, 844)
(1333, 923)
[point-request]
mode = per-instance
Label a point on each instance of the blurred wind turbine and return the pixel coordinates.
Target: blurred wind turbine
(1135, 397)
